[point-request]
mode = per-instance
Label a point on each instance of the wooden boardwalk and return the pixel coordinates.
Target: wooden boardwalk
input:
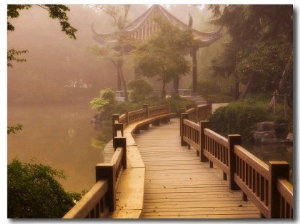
(178, 185)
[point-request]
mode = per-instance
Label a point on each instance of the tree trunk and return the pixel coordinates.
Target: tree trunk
(176, 85)
(119, 80)
(163, 92)
(281, 85)
(194, 55)
(248, 86)
(120, 71)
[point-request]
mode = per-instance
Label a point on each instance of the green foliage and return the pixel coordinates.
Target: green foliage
(206, 87)
(12, 129)
(34, 192)
(239, 117)
(282, 127)
(219, 98)
(105, 100)
(60, 12)
(55, 12)
(139, 88)
(13, 12)
(12, 55)
(260, 45)
(118, 44)
(163, 55)
(177, 103)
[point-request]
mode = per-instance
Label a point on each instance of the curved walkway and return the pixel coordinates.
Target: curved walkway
(178, 185)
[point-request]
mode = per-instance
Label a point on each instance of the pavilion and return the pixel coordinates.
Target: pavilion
(144, 26)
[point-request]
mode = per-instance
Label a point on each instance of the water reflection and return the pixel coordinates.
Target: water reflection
(61, 137)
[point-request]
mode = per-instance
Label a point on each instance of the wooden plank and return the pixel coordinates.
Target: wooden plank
(126, 214)
(134, 158)
(178, 185)
(130, 194)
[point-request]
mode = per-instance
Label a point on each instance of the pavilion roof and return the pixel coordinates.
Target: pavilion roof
(203, 38)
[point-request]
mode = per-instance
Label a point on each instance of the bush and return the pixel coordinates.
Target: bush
(34, 192)
(206, 87)
(140, 89)
(239, 117)
(176, 103)
(219, 98)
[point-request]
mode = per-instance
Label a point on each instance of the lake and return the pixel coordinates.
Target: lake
(61, 137)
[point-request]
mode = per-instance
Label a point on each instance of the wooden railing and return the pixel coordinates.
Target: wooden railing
(101, 198)
(129, 117)
(266, 185)
(199, 113)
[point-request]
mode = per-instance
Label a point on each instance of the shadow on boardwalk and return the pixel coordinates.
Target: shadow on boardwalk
(178, 185)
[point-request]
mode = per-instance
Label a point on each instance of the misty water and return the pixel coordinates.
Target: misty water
(62, 137)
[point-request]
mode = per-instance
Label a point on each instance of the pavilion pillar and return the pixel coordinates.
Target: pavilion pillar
(194, 57)
(119, 80)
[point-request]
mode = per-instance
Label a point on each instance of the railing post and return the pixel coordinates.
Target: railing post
(233, 139)
(181, 110)
(203, 125)
(117, 127)
(127, 116)
(121, 142)
(146, 106)
(106, 171)
(277, 169)
(182, 117)
(115, 117)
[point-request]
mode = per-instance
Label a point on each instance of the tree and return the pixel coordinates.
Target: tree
(260, 46)
(12, 129)
(107, 98)
(114, 50)
(163, 55)
(34, 192)
(140, 88)
(58, 12)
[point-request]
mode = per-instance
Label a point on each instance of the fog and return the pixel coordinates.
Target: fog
(49, 94)
(55, 61)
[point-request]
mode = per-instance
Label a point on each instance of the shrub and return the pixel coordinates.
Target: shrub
(206, 87)
(140, 89)
(239, 117)
(34, 192)
(176, 103)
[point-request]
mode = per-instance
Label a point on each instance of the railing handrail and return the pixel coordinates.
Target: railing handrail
(101, 198)
(266, 184)
(89, 201)
(199, 112)
(130, 117)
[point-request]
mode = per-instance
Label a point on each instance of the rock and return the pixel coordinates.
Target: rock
(265, 133)
(265, 136)
(265, 126)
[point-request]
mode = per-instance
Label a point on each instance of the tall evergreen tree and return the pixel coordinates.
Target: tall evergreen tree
(260, 46)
